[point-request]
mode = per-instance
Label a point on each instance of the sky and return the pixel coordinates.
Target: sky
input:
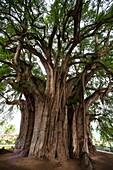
(16, 121)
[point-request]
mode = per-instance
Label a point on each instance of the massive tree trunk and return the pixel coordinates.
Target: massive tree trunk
(23, 141)
(51, 128)
(50, 135)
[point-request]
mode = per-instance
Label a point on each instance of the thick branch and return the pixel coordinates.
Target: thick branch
(77, 17)
(35, 52)
(39, 41)
(6, 62)
(7, 76)
(17, 54)
(52, 36)
(92, 29)
(105, 67)
(14, 102)
(92, 98)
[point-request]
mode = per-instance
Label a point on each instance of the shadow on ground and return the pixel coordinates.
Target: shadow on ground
(12, 161)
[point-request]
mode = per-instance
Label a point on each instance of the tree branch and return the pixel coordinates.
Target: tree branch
(6, 62)
(35, 52)
(92, 29)
(92, 98)
(17, 54)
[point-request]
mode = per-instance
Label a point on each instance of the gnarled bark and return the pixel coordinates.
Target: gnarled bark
(50, 138)
(23, 141)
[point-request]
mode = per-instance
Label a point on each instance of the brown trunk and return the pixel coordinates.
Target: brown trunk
(92, 148)
(52, 129)
(40, 123)
(78, 141)
(49, 139)
(81, 139)
(23, 142)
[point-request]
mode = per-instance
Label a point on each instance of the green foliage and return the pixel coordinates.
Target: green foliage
(7, 132)
(104, 121)
(2, 40)
(4, 54)
(3, 86)
(108, 63)
(2, 122)
(5, 70)
(57, 12)
(9, 129)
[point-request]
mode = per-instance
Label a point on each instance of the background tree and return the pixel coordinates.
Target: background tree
(53, 56)
(103, 120)
(9, 129)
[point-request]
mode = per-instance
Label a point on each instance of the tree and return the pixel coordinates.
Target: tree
(9, 129)
(73, 43)
(6, 114)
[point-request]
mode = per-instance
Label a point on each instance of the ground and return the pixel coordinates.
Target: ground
(103, 161)
(11, 161)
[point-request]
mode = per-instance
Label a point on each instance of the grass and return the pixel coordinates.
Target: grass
(6, 146)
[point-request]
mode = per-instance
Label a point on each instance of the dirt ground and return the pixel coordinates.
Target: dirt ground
(11, 161)
(103, 161)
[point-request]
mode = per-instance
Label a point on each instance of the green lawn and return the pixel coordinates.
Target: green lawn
(6, 146)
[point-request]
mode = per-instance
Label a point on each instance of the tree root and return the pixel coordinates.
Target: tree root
(86, 161)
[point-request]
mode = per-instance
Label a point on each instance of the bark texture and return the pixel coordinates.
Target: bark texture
(23, 141)
(52, 127)
(50, 136)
